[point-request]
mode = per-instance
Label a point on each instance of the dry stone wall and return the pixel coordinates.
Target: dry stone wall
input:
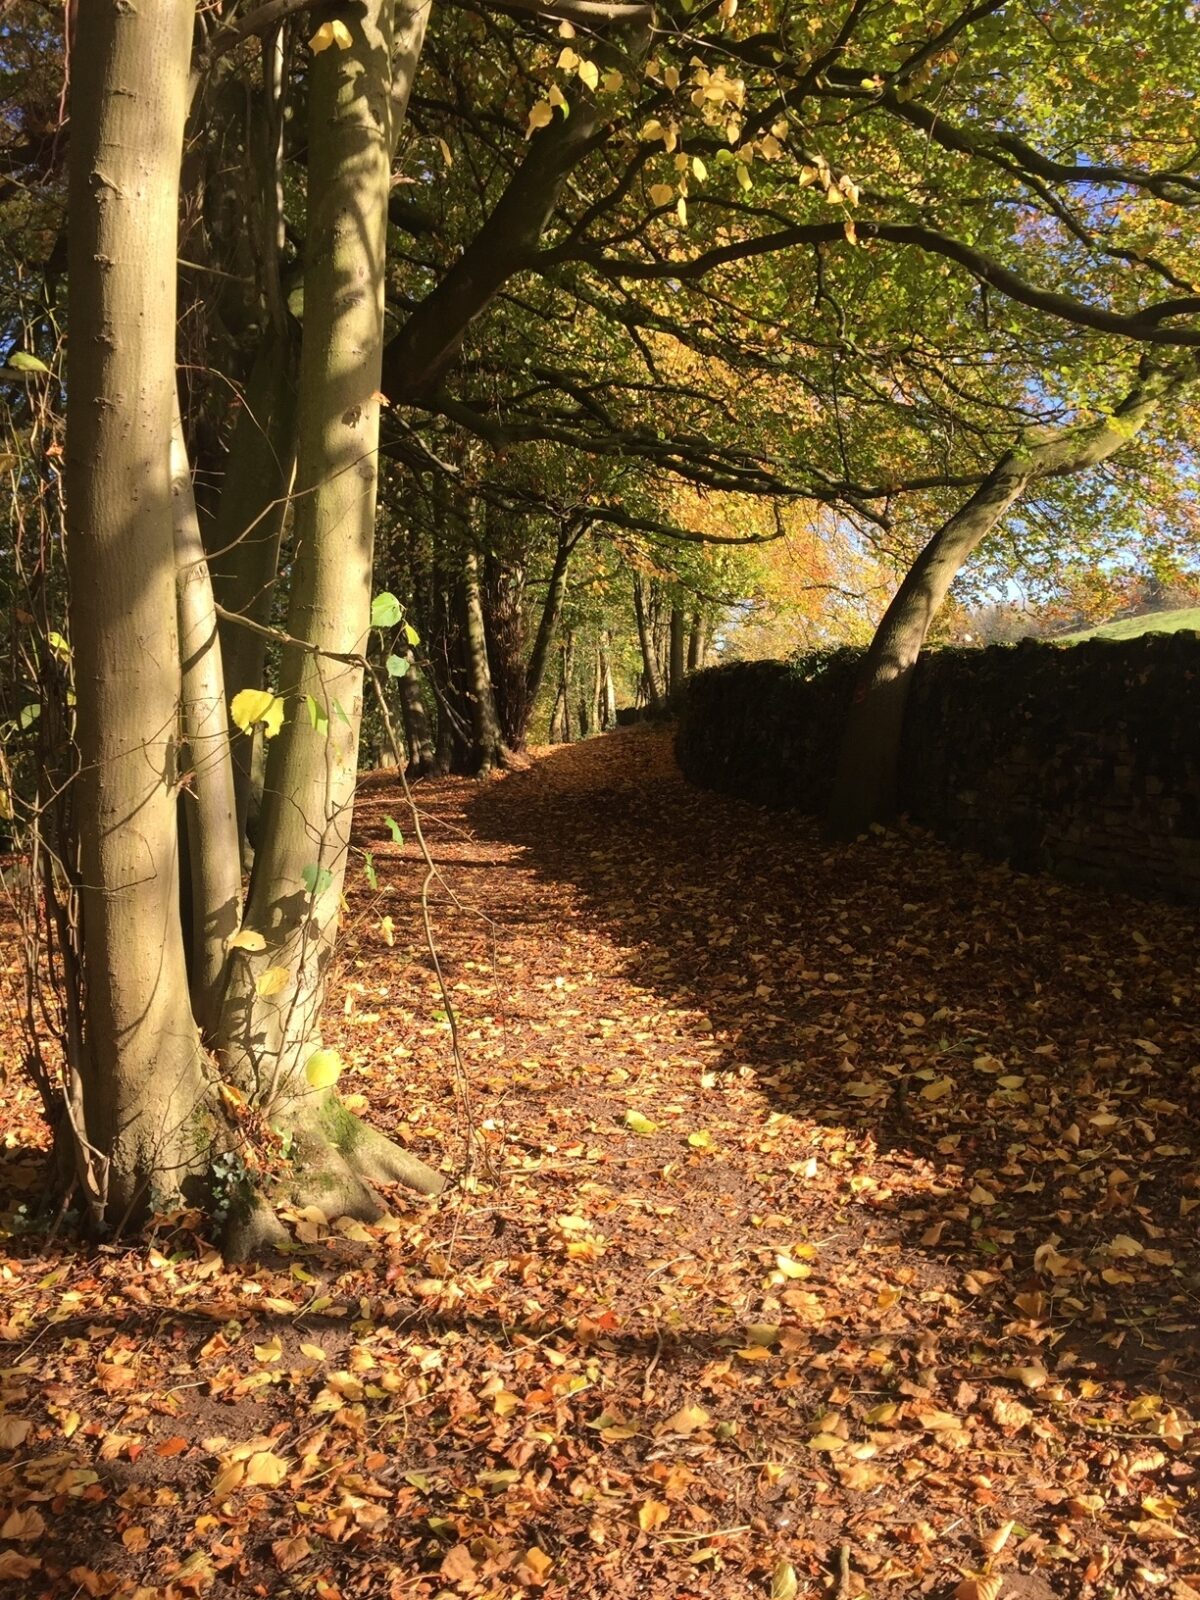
(1082, 761)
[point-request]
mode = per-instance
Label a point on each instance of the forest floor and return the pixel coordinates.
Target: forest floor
(832, 1230)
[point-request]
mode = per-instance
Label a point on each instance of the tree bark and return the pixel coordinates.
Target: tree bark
(655, 693)
(246, 531)
(556, 592)
(676, 670)
(490, 750)
(696, 643)
(865, 783)
(144, 1097)
(416, 721)
(269, 1039)
(608, 692)
(210, 815)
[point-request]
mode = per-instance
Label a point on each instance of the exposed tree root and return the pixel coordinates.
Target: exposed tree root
(337, 1161)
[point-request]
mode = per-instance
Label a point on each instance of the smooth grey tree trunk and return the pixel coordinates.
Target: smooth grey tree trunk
(271, 1032)
(144, 1099)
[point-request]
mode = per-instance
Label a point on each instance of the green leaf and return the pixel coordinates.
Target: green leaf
(386, 610)
(339, 712)
(393, 828)
(21, 361)
(59, 645)
(397, 666)
(317, 715)
(316, 879)
(411, 634)
(369, 869)
(29, 715)
(323, 1068)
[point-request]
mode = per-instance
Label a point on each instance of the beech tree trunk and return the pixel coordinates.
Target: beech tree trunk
(271, 1029)
(206, 784)
(556, 591)
(865, 783)
(678, 647)
(490, 750)
(416, 721)
(697, 642)
(245, 533)
(144, 1095)
(608, 690)
(655, 693)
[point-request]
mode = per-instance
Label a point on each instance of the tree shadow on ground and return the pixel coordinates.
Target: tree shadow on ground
(1015, 1052)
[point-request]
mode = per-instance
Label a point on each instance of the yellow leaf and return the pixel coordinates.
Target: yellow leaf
(13, 1565)
(252, 706)
(323, 1068)
(329, 33)
(538, 1562)
(612, 82)
(266, 1470)
(652, 1514)
(448, 158)
(700, 1140)
(661, 194)
(995, 1541)
(792, 1269)
(269, 1352)
(540, 116)
(939, 1421)
(228, 1478)
(940, 1087)
(14, 1431)
(687, 1420)
(635, 1121)
(784, 1583)
(271, 982)
(826, 1443)
(23, 1525)
(587, 72)
(983, 1588)
(247, 939)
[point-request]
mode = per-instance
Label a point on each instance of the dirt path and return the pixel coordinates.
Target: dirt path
(842, 1232)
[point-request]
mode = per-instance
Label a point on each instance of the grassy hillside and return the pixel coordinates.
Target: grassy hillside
(1131, 627)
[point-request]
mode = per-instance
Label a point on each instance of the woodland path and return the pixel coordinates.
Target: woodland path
(842, 1230)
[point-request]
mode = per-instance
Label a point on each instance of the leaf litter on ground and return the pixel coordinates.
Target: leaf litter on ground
(840, 1240)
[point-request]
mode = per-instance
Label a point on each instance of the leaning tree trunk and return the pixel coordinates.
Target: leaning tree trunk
(211, 831)
(144, 1097)
(865, 784)
(655, 693)
(556, 592)
(271, 1023)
